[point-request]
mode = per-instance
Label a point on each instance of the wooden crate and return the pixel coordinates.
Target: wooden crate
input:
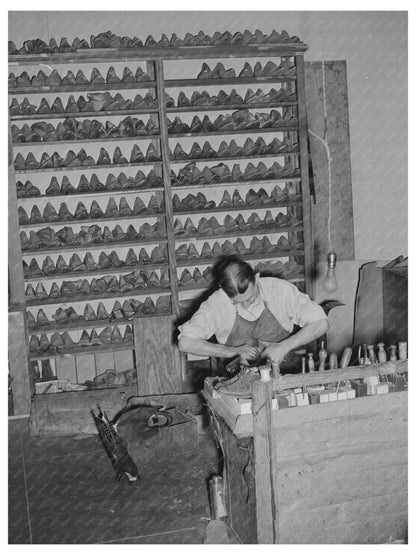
(337, 471)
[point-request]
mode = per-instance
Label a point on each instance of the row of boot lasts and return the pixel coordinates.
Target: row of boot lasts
(218, 72)
(95, 212)
(209, 227)
(93, 234)
(72, 129)
(112, 183)
(126, 311)
(106, 102)
(225, 150)
(189, 203)
(108, 39)
(60, 342)
(104, 285)
(158, 255)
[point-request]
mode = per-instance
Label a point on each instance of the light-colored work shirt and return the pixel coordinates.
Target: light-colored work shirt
(216, 315)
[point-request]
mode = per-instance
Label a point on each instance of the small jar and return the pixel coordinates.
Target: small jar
(382, 355)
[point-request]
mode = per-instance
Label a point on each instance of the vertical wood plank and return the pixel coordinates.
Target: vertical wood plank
(304, 173)
(16, 279)
(164, 143)
(336, 124)
(264, 460)
(19, 363)
(157, 358)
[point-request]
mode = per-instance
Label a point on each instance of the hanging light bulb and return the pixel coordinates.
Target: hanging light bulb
(330, 282)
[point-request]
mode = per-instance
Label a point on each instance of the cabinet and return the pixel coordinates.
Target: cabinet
(131, 181)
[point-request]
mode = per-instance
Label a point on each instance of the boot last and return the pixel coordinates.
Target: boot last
(89, 262)
(55, 292)
(68, 342)
(267, 245)
(205, 72)
(96, 77)
(67, 187)
(112, 77)
(124, 208)
(113, 285)
(94, 339)
(89, 313)
(115, 260)
(254, 221)
(178, 228)
(164, 279)
(127, 310)
(61, 265)
(30, 292)
(128, 334)
(151, 154)
(76, 263)
(204, 228)
(34, 268)
(103, 158)
(195, 151)
(247, 71)
(240, 247)
(23, 217)
(40, 291)
(186, 278)
(20, 164)
(216, 249)
(49, 213)
(84, 341)
(102, 313)
(116, 335)
(105, 335)
(95, 210)
(84, 185)
(111, 211)
(44, 342)
(226, 200)
(131, 258)
(148, 306)
(181, 253)
(208, 151)
(83, 287)
(158, 255)
(118, 157)
(136, 155)
(268, 219)
(118, 233)
(230, 223)
(206, 251)
(189, 227)
(48, 267)
(237, 200)
(183, 100)
(61, 316)
(223, 151)
(283, 244)
(163, 304)
(153, 206)
(81, 212)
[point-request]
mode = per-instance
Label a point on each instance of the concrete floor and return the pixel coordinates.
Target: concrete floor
(63, 490)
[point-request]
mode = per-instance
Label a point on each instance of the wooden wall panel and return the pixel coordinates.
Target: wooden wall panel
(336, 124)
(157, 357)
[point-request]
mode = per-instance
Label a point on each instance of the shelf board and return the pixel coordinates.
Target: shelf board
(208, 261)
(124, 346)
(92, 220)
(282, 129)
(222, 107)
(92, 114)
(92, 167)
(76, 141)
(144, 111)
(241, 208)
(178, 83)
(93, 246)
(236, 183)
(97, 273)
(145, 291)
(86, 324)
(243, 157)
(82, 88)
(239, 233)
(90, 55)
(94, 194)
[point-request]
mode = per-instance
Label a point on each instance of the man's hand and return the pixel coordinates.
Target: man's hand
(276, 351)
(247, 352)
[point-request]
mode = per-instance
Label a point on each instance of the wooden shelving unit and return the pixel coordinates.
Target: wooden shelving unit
(155, 62)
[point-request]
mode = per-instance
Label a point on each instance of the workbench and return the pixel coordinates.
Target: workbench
(323, 473)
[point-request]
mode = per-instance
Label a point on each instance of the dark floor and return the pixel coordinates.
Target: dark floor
(63, 490)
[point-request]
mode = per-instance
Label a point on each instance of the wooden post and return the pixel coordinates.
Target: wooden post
(265, 463)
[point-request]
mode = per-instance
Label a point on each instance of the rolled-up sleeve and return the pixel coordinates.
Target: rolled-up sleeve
(201, 325)
(301, 308)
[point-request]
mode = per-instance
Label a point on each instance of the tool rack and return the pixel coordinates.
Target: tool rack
(155, 62)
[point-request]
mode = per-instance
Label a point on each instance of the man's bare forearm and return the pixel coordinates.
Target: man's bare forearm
(202, 347)
(308, 333)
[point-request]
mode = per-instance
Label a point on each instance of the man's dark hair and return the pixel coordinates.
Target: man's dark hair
(234, 275)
